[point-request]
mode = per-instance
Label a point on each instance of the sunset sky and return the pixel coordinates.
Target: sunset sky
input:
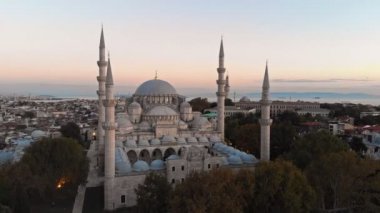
(324, 45)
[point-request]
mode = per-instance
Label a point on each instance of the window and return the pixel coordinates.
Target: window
(217, 165)
(209, 166)
(173, 181)
(183, 168)
(122, 199)
(182, 180)
(173, 168)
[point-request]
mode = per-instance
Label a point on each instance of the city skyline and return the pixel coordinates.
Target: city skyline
(328, 47)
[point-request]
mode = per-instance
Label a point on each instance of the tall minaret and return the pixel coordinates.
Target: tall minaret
(220, 93)
(265, 120)
(227, 87)
(109, 152)
(102, 64)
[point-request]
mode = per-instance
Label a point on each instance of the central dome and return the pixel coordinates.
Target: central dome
(155, 87)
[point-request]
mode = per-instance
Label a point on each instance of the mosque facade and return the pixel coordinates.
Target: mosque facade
(159, 132)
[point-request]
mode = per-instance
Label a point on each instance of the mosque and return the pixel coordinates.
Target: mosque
(159, 132)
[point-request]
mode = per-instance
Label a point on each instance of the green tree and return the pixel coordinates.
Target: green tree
(153, 195)
(312, 146)
(72, 130)
(217, 191)
(50, 169)
(199, 104)
(282, 138)
(281, 187)
(345, 182)
(357, 145)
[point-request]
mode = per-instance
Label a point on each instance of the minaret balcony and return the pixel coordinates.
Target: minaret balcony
(221, 70)
(101, 78)
(265, 122)
(109, 102)
(100, 92)
(221, 82)
(220, 94)
(102, 63)
(109, 125)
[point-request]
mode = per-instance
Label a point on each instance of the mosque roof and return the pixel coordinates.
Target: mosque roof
(140, 166)
(155, 87)
(157, 165)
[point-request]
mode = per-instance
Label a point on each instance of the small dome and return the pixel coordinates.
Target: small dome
(155, 141)
(143, 142)
(144, 125)
(131, 143)
(155, 87)
(173, 157)
(234, 160)
(181, 140)
(192, 140)
(161, 110)
(168, 139)
(224, 161)
(134, 105)
(140, 166)
(157, 165)
(185, 104)
(37, 134)
(203, 139)
(123, 123)
(6, 156)
(245, 99)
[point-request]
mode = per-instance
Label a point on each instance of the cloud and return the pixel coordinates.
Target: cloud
(331, 80)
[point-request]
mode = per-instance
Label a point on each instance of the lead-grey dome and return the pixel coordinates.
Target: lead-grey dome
(155, 87)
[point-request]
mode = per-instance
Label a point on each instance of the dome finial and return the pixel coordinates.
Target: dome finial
(155, 77)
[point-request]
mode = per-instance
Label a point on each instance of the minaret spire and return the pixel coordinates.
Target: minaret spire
(102, 64)
(221, 94)
(109, 127)
(265, 120)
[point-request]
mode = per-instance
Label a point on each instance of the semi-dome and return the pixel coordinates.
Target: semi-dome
(162, 111)
(157, 165)
(155, 87)
(140, 166)
(248, 158)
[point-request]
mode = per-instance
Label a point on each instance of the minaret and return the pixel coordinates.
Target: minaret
(109, 151)
(102, 64)
(220, 93)
(265, 120)
(227, 87)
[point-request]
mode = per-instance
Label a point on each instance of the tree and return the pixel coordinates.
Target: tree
(217, 191)
(199, 104)
(357, 145)
(228, 102)
(248, 138)
(282, 138)
(345, 182)
(312, 146)
(50, 169)
(71, 130)
(281, 187)
(153, 195)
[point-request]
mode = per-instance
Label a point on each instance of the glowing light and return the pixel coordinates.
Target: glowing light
(61, 183)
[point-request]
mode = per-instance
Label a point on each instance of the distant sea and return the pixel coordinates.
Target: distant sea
(89, 92)
(321, 97)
